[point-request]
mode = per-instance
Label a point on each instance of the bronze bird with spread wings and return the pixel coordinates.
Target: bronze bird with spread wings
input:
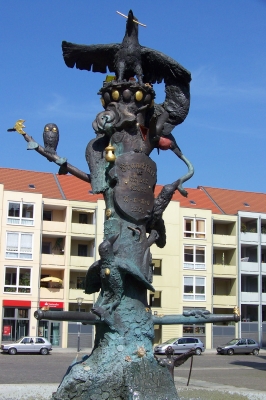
(126, 59)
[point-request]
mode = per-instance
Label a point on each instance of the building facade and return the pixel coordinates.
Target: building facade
(250, 210)
(50, 230)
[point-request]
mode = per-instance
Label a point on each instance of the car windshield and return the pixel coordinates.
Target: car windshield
(170, 341)
(233, 341)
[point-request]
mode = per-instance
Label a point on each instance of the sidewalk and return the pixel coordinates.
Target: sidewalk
(197, 390)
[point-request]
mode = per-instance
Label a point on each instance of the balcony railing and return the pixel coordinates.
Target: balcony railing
(75, 293)
(249, 237)
(77, 261)
(219, 269)
(51, 293)
(83, 229)
(246, 266)
(249, 297)
(53, 259)
(54, 226)
(263, 238)
(224, 240)
(224, 301)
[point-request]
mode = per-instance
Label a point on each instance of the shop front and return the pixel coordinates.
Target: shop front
(51, 330)
(16, 319)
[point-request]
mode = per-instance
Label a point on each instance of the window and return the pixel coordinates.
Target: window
(47, 215)
(157, 267)
(194, 257)
(20, 213)
(19, 245)
(83, 218)
(81, 282)
(194, 288)
(250, 341)
(17, 280)
(194, 228)
(46, 247)
(155, 299)
(39, 340)
(82, 250)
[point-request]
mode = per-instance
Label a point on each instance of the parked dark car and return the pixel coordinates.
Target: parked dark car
(239, 346)
(28, 344)
(181, 345)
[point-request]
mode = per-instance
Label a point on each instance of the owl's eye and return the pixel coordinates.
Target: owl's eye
(54, 129)
(47, 128)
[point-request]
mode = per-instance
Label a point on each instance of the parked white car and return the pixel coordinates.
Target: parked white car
(28, 344)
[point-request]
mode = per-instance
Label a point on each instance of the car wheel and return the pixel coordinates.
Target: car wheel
(230, 352)
(12, 351)
(198, 351)
(44, 351)
(255, 352)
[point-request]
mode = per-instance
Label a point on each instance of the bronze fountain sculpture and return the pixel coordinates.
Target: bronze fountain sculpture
(132, 125)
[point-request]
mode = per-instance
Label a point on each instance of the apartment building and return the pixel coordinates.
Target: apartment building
(48, 239)
(51, 227)
(196, 269)
(250, 210)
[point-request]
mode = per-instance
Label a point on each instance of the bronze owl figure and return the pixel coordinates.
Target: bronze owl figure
(50, 138)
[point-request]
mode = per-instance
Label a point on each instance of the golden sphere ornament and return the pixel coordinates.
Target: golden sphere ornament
(139, 95)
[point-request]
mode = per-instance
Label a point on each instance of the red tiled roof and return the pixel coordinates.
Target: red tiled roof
(76, 189)
(232, 201)
(19, 181)
(73, 188)
(197, 196)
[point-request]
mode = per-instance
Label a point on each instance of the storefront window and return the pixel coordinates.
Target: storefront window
(15, 323)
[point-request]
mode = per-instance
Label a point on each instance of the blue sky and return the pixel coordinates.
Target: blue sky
(222, 44)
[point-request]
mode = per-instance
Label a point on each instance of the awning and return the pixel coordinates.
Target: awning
(51, 279)
(84, 210)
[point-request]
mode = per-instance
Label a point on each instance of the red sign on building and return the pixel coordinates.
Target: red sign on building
(51, 304)
(16, 303)
(7, 330)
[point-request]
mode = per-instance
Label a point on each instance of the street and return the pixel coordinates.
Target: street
(245, 371)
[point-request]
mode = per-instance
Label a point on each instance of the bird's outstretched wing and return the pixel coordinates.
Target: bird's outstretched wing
(93, 280)
(97, 56)
(157, 67)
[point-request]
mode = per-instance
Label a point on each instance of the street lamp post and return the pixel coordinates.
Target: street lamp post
(79, 301)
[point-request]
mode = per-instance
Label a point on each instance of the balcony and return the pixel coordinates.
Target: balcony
(249, 297)
(51, 293)
(263, 238)
(83, 229)
(224, 301)
(78, 261)
(263, 297)
(53, 259)
(246, 266)
(224, 240)
(221, 270)
(75, 293)
(54, 226)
